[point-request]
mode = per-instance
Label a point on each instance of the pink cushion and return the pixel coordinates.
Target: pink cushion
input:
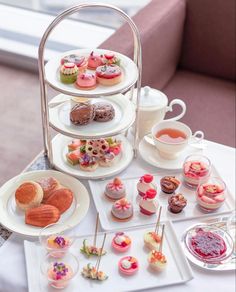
(161, 25)
(209, 38)
(210, 104)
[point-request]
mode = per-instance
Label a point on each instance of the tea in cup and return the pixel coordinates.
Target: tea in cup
(172, 137)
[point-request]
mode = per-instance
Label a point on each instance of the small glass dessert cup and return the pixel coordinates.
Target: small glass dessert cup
(211, 195)
(196, 168)
(59, 271)
(55, 238)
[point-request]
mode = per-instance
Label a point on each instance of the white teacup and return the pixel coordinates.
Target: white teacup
(171, 150)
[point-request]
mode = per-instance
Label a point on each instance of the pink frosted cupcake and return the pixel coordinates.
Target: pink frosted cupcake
(128, 265)
(121, 242)
(122, 210)
(115, 190)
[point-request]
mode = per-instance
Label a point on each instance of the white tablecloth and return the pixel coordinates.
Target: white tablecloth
(12, 262)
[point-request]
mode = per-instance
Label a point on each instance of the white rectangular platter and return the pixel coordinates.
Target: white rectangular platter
(191, 211)
(177, 271)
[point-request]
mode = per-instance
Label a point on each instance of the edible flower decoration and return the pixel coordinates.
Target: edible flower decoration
(60, 269)
(60, 241)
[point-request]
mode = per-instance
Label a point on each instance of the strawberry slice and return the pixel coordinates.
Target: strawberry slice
(200, 191)
(109, 55)
(220, 198)
(208, 200)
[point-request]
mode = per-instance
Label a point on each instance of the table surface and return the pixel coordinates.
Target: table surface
(13, 275)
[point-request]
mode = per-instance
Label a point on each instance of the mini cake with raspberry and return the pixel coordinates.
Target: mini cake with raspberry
(111, 58)
(109, 75)
(68, 73)
(95, 60)
(128, 265)
(148, 204)
(115, 190)
(121, 242)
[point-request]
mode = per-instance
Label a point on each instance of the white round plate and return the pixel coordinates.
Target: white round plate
(52, 73)
(150, 154)
(14, 219)
(59, 117)
(59, 146)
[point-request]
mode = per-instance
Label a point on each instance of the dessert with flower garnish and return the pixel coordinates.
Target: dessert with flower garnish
(80, 61)
(59, 274)
(145, 183)
(86, 81)
(157, 260)
(95, 60)
(121, 242)
(196, 168)
(88, 163)
(177, 203)
(68, 73)
(90, 250)
(90, 272)
(152, 240)
(148, 204)
(111, 58)
(107, 160)
(122, 210)
(82, 114)
(128, 265)
(74, 156)
(115, 190)
(109, 75)
(169, 184)
(97, 148)
(58, 242)
(211, 195)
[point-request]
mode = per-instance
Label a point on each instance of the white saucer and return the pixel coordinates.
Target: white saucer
(150, 154)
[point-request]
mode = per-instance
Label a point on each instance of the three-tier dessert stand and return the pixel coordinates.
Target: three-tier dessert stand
(47, 80)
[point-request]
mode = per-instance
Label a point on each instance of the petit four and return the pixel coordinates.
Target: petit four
(121, 242)
(109, 75)
(145, 183)
(115, 190)
(58, 242)
(82, 114)
(75, 144)
(91, 272)
(122, 210)
(29, 194)
(89, 250)
(61, 199)
(104, 112)
(211, 195)
(80, 61)
(169, 184)
(59, 275)
(48, 184)
(88, 163)
(95, 61)
(128, 265)
(107, 159)
(177, 203)
(68, 73)
(157, 260)
(111, 58)
(73, 157)
(86, 81)
(196, 168)
(97, 148)
(42, 216)
(152, 240)
(114, 145)
(148, 205)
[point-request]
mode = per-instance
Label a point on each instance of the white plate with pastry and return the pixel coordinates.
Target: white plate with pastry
(21, 201)
(118, 112)
(60, 149)
(129, 73)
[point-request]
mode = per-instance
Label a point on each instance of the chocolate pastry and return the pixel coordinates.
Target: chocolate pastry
(104, 112)
(177, 203)
(169, 184)
(82, 114)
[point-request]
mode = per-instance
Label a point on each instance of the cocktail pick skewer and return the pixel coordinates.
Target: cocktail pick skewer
(162, 238)
(96, 230)
(100, 255)
(158, 221)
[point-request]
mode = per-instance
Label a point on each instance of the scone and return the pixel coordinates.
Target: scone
(48, 184)
(28, 195)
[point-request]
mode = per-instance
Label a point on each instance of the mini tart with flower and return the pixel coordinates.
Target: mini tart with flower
(90, 272)
(111, 58)
(88, 163)
(109, 75)
(157, 260)
(115, 190)
(128, 265)
(60, 272)
(152, 240)
(58, 242)
(95, 60)
(121, 242)
(86, 81)
(115, 146)
(80, 61)
(90, 250)
(122, 210)
(68, 73)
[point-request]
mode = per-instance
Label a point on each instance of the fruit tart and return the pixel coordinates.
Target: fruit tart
(109, 75)
(121, 242)
(88, 163)
(128, 265)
